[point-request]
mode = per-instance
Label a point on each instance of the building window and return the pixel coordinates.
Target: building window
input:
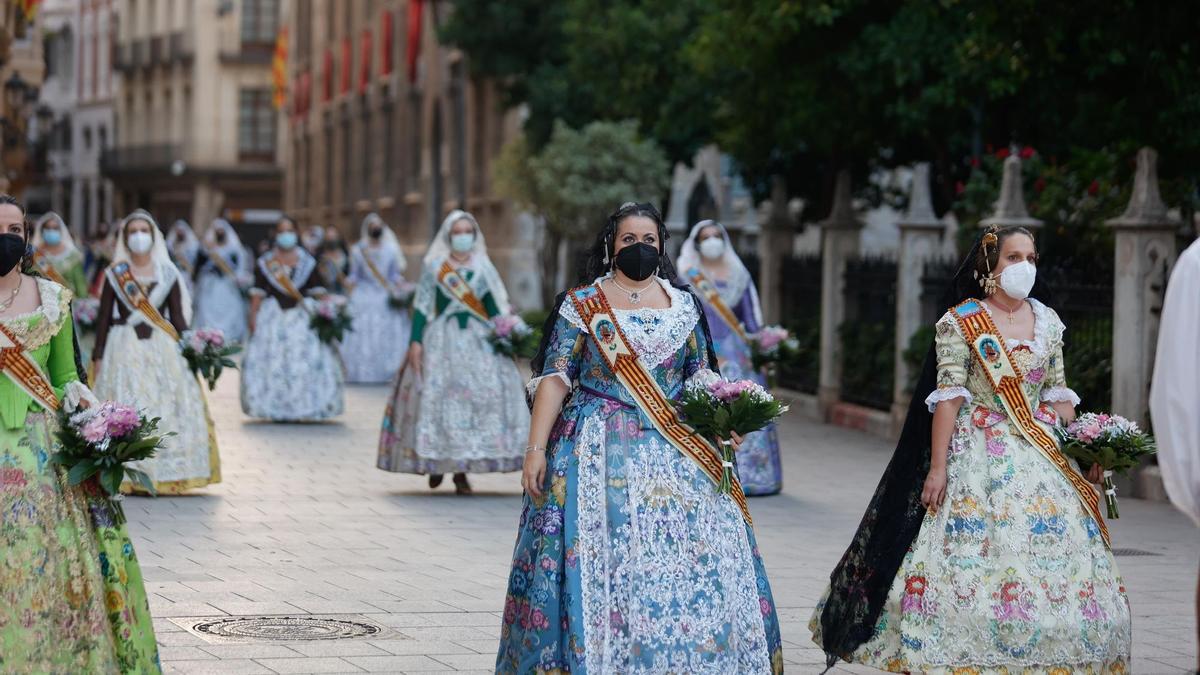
(256, 125)
(389, 171)
(416, 132)
(346, 165)
(260, 21)
(87, 139)
(364, 190)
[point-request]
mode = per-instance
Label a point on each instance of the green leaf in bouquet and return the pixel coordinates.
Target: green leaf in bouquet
(82, 471)
(110, 479)
(142, 479)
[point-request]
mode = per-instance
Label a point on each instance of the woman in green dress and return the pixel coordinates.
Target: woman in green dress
(71, 593)
(57, 256)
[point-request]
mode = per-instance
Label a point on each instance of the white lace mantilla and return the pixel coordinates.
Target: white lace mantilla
(654, 334)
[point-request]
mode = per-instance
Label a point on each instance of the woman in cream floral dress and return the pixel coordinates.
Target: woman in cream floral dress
(983, 558)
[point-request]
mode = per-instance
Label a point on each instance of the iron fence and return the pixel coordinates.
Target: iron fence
(1082, 294)
(868, 335)
(800, 311)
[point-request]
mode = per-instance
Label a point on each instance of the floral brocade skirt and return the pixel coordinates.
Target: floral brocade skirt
(374, 348)
(1010, 577)
(288, 374)
(72, 598)
(466, 413)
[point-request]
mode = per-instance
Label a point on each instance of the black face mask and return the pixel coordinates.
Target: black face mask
(637, 261)
(376, 232)
(12, 248)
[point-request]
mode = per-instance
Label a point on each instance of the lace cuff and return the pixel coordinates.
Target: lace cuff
(75, 392)
(532, 386)
(1060, 395)
(947, 394)
(257, 293)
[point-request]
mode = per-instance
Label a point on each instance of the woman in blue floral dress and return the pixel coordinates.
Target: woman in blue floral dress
(733, 311)
(627, 558)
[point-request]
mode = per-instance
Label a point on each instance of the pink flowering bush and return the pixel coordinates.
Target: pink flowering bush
(1113, 442)
(331, 318)
(716, 408)
(207, 353)
(102, 441)
(511, 336)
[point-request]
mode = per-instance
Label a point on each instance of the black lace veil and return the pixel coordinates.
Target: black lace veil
(860, 583)
(599, 263)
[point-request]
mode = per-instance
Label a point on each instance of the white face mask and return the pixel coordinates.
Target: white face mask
(140, 242)
(712, 248)
(462, 243)
(1017, 279)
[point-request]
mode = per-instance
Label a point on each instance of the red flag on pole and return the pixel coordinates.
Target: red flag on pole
(385, 53)
(364, 61)
(415, 12)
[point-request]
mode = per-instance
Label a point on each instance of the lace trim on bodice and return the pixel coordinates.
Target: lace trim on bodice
(1047, 329)
(56, 302)
(655, 334)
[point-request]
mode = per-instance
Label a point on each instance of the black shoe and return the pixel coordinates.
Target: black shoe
(435, 479)
(461, 486)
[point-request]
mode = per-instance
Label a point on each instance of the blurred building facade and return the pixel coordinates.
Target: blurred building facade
(380, 117)
(196, 134)
(76, 103)
(22, 69)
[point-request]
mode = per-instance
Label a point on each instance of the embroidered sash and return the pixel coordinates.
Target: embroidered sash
(610, 341)
(987, 345)
(24, 371)
(712, 295)
(135, 297)
(279, 277)
(453, 283)
(220, 263)
(374, 270)
(47, 269)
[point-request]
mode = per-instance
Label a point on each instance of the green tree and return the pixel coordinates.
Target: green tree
(576, 178)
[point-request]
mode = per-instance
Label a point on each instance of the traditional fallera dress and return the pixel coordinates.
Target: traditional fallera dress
(137, 342)
(222, 271)
(184, 247)
(733, 312)
(633, 562)
(374, 348)
(71, 593)
(1014, 573)
(289, 374)
(466, 414)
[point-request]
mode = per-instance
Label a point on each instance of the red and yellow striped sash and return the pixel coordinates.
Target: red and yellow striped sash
(990, 353)
(47, 269)
(136, 297)
(606, 334)
(453, 283)
(16, 363)
(712, 295)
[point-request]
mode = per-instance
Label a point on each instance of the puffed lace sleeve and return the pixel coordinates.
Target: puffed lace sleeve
(1056, 389)
(564, 350)
(953, 359)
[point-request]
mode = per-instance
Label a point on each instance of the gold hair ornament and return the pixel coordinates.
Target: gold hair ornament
(988, 281)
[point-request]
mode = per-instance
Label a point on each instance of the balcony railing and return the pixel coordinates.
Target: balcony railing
(137, 158)
(158, 51)
(123, 57)
(180, 48)
(141, 55)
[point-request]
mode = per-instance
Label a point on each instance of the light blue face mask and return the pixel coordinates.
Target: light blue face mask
(286, 240)
(52, 237)
(462, 243)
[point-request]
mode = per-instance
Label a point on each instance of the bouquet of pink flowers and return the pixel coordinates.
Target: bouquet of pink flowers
(207, 353)
(331, 318)
(86, 311)
(1111, 441)
(717, 408)
(511, 336)
(772, 346)
(102, 440)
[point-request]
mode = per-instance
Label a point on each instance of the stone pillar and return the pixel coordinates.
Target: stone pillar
(1145, 251)
(921, 233)
(840, 238)
(1010, 207)
(774, 244)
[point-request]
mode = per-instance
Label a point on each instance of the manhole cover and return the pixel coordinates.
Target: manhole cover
(1131, 552)
(283, 628)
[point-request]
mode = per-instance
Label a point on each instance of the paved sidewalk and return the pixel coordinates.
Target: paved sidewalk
(304, 524)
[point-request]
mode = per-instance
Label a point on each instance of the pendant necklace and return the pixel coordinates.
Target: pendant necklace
(1011, 320)
(4, 305)
(635, 296)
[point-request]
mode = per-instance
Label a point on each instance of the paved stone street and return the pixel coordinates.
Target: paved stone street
(305, 524)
